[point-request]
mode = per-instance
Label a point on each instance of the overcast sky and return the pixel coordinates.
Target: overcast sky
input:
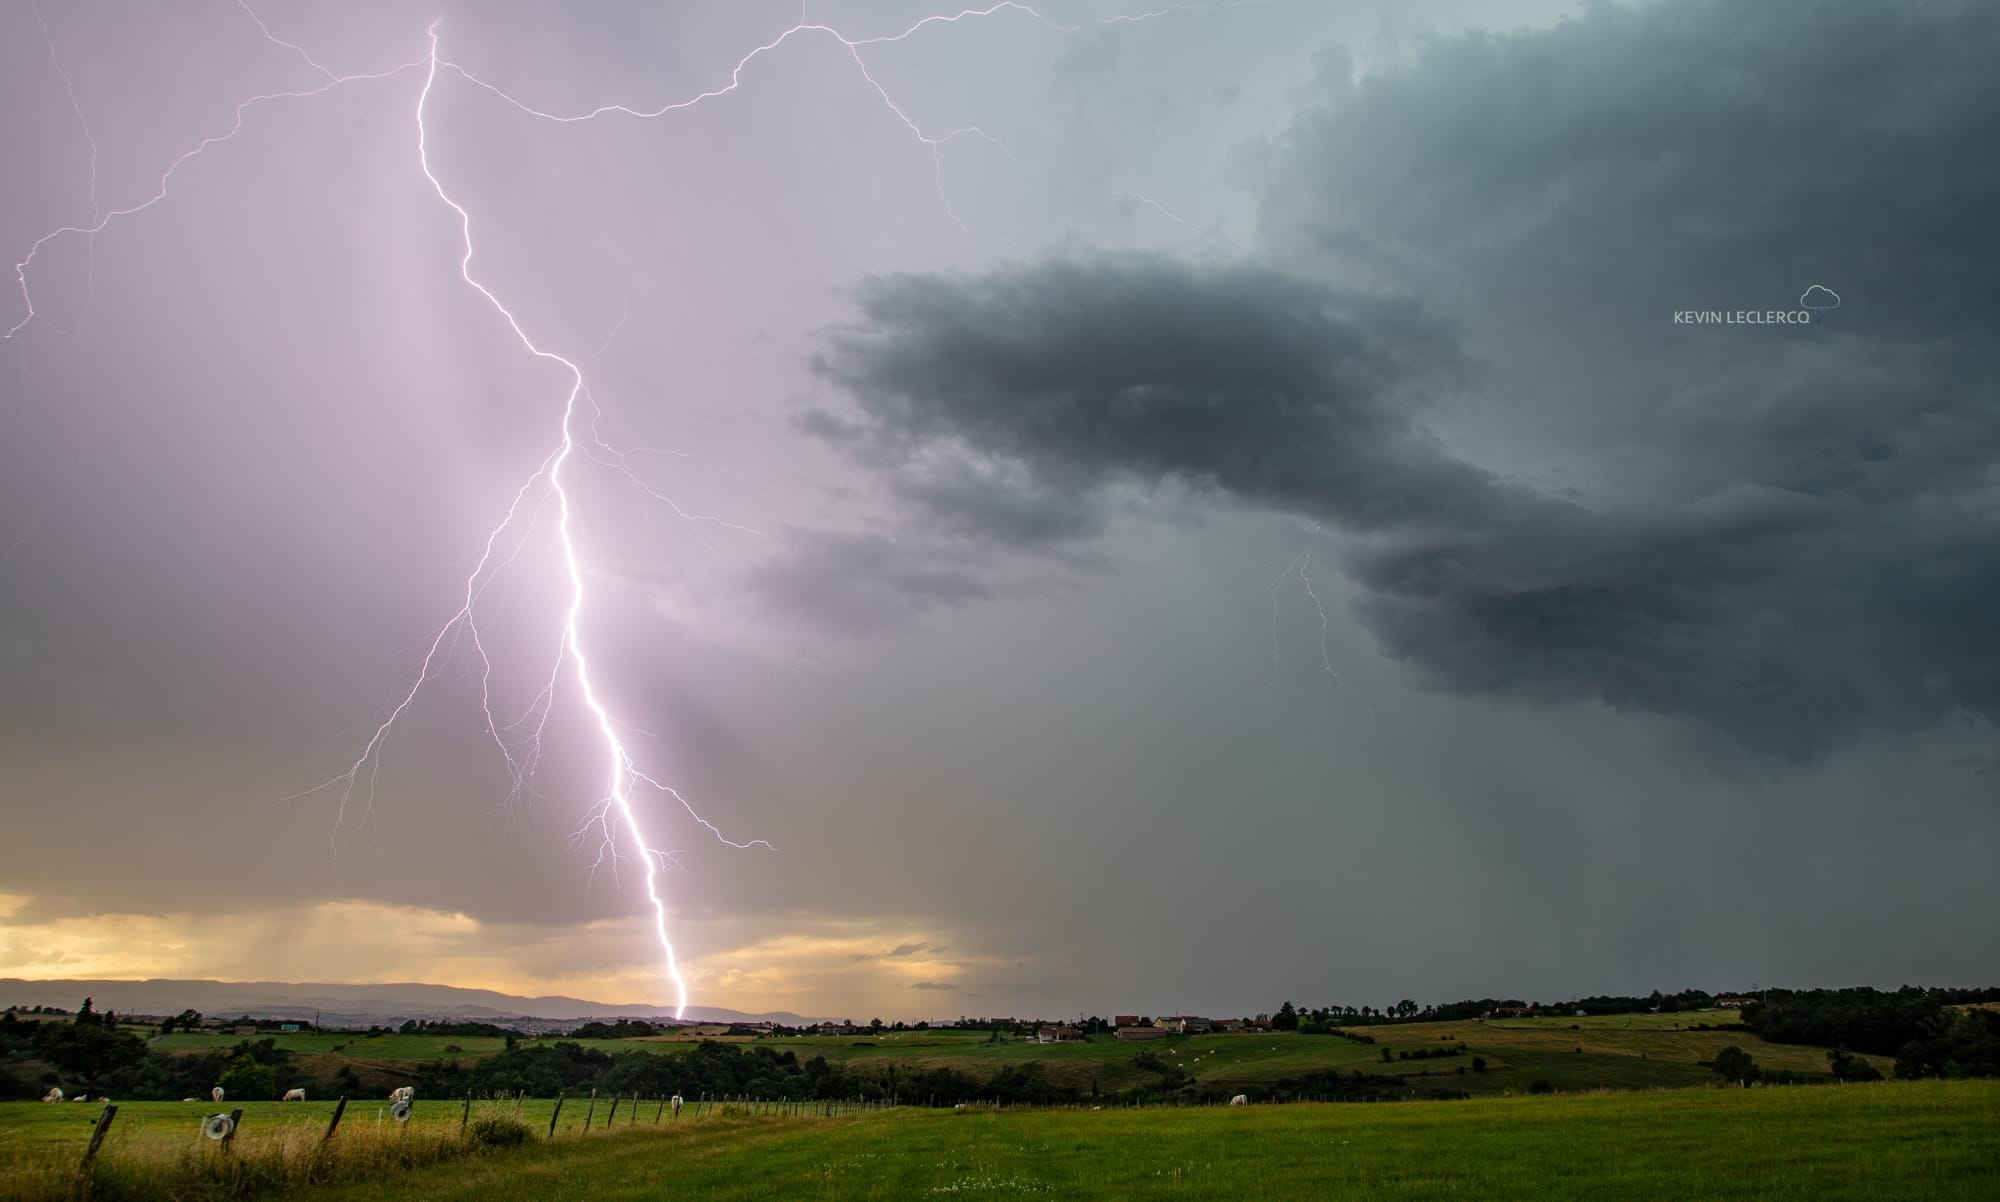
(1165, 515)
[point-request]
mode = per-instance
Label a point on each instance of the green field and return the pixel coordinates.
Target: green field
(357, 1047)
(1916, 1140)
(1639, 1051)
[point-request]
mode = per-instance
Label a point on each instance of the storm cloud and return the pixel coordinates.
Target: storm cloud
(1795, 543)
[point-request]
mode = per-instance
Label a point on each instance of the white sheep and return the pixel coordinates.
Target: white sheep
(81, 1098)
(55, 1094)
(1242, 1099)
(190, 1099)
(404, 1094)
(676, 1099)
(295, 1095)
(215, 1095)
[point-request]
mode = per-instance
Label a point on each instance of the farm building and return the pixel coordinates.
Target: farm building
(1130, 1034)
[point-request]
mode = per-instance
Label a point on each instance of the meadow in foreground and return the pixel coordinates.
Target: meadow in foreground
(1920, 1140)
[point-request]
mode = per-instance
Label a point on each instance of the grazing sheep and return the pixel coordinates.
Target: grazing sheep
(960, 1106)
(1242, 1099)
(81, 1098)
(54, 1095)
(215, 1095)
(677, 1105)
(295, 1095)
(404, 1094)
(190, 1099)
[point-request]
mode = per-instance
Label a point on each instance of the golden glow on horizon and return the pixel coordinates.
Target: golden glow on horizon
(804, 963)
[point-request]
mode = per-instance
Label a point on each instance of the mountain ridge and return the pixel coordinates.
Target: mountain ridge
(345, 1005)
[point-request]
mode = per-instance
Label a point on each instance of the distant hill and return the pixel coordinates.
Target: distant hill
(345, 1005)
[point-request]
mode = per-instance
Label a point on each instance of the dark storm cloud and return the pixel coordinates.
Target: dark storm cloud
(1797, 546)
(1634, 152)
(1069, 374)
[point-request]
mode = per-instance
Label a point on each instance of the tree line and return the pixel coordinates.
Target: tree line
(1930, 1032)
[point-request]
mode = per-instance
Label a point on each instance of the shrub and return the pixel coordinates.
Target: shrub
(1541, 1085)
(496, 1131)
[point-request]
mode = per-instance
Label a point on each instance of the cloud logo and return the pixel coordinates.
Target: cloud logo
(1819, 298)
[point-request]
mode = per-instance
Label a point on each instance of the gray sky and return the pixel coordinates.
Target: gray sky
(1166, 514)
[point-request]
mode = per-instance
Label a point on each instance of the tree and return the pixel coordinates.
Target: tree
(1479, 1064)
(1845, 1067)
(1735, 1065)
(88, 1049)
(1287, 1018)
(87, 1017)
(346, 1082)
(245, 1078)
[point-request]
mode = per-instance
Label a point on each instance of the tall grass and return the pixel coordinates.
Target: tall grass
(261, 1160)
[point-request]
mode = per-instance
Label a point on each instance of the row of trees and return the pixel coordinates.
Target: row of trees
(1866, 1020)
(1289, 1017)
(719, 1069)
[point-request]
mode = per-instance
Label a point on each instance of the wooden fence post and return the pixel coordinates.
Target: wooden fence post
(612, 1118)
(97, 1138)
(465, 1118)
(235, 1121)
(339, 1108)
(635, 1108)
(556, 1115)
(662, 1110)
(590, 1112)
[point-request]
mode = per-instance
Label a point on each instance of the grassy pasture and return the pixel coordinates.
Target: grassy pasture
(1908, 1140)
(354, 1047)
(1639, 1051)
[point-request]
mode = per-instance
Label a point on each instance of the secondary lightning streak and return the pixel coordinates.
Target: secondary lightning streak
(1301, 567)
(292, 46)
(933, 143)
(166, 178)
(96, 208)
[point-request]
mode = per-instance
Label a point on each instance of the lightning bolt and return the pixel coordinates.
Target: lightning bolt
(615, 816)
(1300, 568)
